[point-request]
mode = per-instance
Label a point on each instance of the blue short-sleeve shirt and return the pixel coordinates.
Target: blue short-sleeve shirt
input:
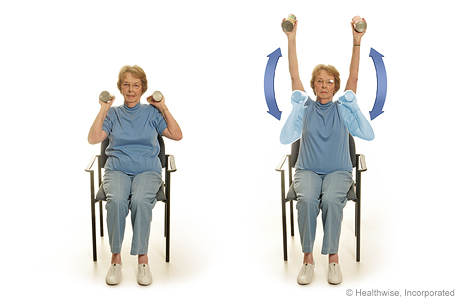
(324, 144)
(133, 146)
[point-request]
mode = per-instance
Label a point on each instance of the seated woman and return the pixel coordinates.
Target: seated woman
(323, 170)
(133, 170)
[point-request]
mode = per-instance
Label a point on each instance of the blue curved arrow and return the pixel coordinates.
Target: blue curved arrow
(377, 110)
(269, 83)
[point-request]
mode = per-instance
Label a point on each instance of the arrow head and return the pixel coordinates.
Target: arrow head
(276, 114)
(275, 54)
(375, 114)
(375, 53)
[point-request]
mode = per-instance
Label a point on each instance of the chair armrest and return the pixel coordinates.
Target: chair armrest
(171, 162)
(362, 162)
(279, 168)
(91, 163)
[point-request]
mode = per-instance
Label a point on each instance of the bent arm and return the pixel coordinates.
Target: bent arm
(172, 130)
(96, 134)
(354, 119)
(292, 129)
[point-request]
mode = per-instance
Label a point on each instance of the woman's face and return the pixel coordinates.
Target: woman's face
(131, 89)
(324, 87)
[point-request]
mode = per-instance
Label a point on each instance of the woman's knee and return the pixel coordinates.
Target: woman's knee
(142, 200)
(144, 189)
(117, 197)
(307, 202)
(335, 188)
(117, 186)
(333, 199)
(117, 204)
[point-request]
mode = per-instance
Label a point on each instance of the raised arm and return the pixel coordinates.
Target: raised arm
(292, 58)
(352, 83)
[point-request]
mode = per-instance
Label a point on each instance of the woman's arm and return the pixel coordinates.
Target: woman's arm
(292, 58)
(172, 130)
(292, 129)
(96, 134)
(353, 118)
(352, 83)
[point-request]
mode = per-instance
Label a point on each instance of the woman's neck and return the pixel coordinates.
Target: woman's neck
(131, 105)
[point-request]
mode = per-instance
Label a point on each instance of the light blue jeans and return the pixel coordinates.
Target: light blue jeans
(135, 193)
(327, 193)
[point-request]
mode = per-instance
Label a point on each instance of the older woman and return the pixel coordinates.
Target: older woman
(133, 170)
(323, 170)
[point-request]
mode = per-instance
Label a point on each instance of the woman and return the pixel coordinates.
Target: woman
(323, 170)
(133, 170)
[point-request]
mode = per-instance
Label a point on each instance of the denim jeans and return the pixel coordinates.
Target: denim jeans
(327, 193)
(135, 193)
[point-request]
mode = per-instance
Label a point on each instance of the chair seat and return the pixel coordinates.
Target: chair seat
(291, 195)
(100, 196)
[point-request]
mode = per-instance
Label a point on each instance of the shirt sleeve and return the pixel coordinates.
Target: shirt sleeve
(354, 119)
(292, 129)
(158, 121)
(107, 126)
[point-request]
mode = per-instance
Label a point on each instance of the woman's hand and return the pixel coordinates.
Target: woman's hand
(357, 35)
(108, 104)
(157, 104)
(293, 32)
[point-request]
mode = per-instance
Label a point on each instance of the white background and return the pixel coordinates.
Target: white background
(209, 58)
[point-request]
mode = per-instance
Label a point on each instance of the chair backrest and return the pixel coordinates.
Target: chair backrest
(161, 155)
(296, 146)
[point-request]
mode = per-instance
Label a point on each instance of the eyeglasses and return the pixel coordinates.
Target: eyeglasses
(135, 86)
(328, 82)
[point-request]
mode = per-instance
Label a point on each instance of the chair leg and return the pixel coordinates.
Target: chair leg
(291, 206)
(167, 228)
(93, 229)
(358, 230)
(166, 220)
(356, 218)
(101, 218)
(283, 212)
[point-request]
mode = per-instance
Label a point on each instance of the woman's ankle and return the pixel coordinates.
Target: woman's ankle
(116, 258)
(143, 259)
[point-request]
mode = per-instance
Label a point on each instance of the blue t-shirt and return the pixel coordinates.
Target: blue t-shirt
(324, 144)
(323, 129)
(133, 132)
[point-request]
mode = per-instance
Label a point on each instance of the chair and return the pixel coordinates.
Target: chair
(354, 194)
(163, 195)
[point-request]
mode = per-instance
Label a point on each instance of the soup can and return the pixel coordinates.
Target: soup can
(157, 96)
(359, 23)
(288, 24)
(106, 96)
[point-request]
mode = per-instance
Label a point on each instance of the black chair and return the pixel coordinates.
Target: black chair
(354, 194)
(163, 195)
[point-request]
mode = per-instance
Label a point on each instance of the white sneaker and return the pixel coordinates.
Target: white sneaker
(114, 274)
(144, 276)
(334, 275)
(306, 274)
